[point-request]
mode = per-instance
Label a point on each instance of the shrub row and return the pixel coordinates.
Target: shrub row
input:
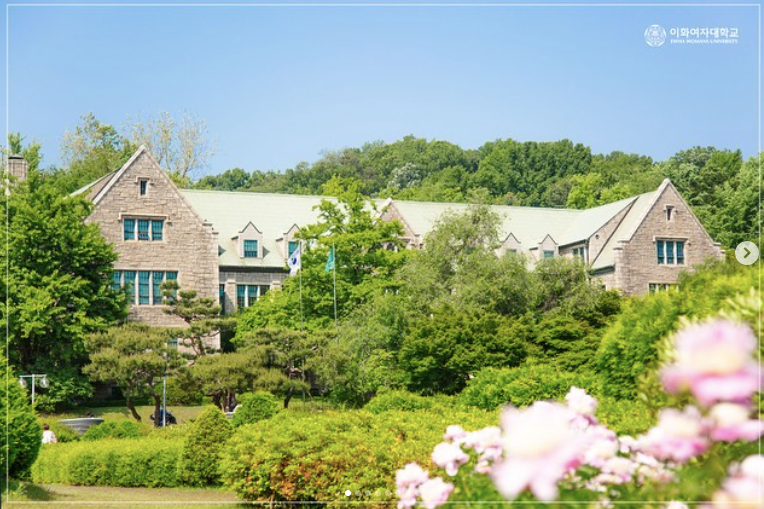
(125, 463)
(493, 388)
(386, 401)
(318, 457)
(116, 429)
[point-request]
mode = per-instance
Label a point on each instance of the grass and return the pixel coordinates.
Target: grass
(27, 495)
(182, 413)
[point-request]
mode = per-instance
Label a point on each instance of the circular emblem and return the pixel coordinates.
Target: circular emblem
(655, 35)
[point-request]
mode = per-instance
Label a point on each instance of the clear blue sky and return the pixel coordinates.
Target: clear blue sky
(277, 85)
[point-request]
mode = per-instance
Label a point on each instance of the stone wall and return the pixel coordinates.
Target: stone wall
(639, 267)
(188, 246)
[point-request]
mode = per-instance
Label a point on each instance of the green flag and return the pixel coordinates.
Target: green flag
(330, 261)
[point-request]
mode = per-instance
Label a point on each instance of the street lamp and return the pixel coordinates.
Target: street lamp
(42, 379)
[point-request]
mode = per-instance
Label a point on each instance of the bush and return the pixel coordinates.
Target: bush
(116, 429)
(626, 416)
(201, 449)
(255, 407)
(124, 463)
(493, 388)
(387, 401)
(19, 425)
(63, 433)
(319, 456)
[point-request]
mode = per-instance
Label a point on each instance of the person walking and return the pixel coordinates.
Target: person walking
(48, 437)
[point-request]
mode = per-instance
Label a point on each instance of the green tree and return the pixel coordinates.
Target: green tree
(20, 427)
(225, 375)
(134, 357)
(59, 286)
(88, 153)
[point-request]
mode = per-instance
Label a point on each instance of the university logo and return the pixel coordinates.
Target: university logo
(655, 35)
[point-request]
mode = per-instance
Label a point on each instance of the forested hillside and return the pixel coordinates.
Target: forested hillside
(720, 186)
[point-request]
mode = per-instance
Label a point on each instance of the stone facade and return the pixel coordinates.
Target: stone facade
(636, 260)
(188, 245)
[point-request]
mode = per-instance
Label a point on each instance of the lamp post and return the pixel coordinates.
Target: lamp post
(43, 379)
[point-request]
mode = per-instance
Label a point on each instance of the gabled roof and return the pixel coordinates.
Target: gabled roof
(625, 229)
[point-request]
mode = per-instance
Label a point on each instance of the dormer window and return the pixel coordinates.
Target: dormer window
(143, 187)
(250, 248)
(293, 245)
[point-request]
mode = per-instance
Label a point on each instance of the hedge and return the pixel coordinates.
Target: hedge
(493, 388)
(116, 429)
(393, 400)
(124, 463)
(318, 457)
(201, 449)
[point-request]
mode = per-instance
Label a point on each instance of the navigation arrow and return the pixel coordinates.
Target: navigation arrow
(747, 252)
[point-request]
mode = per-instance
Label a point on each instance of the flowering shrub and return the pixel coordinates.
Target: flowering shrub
(550, 450)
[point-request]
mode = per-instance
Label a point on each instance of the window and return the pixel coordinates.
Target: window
(669, 212)
(221, 298)
(241, 296)
(156, 229)
(116, 280)
(157, 283)
(293, 245)
(250, 249)
(148, 229)
(264, 289)
(666, 250)
(548, 254)
(171, 276)
(130, 285)
(173, 343)
(661, 287)
(144, 278)
(129, 227)
(251, 295)
(143, 229)
(143, 187)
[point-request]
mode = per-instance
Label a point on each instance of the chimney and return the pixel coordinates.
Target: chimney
(17, 167)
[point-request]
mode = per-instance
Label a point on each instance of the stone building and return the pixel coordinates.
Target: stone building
(233, 246)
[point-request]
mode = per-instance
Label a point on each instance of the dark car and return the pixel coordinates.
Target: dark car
(170, 418)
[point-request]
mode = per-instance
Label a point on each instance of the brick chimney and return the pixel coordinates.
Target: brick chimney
(17, 167)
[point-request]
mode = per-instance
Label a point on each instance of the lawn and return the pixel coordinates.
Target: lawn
(27, 495)
(182, 413)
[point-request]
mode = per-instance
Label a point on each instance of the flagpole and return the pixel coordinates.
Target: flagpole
(302, 316)
(334, 275)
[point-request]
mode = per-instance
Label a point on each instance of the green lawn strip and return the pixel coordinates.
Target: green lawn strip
(56, 495)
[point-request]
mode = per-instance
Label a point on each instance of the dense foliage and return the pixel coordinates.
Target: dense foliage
(21, 431)
(203, 445)
(255, 407)
(115, 429)
(144, 462)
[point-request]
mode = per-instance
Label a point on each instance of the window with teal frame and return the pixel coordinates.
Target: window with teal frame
(241, 296)
(143, 229)
(251, 294)
(171, 276)
(130, 285)
(661, 252)
(144, 278)
(221, 299)
(264, 289)
(548, 254)
(157, 287)
(293, 245)
(156, 229)
(116, 280)
(250, 249)
(680, 253)
(129, 229)
(670, 253)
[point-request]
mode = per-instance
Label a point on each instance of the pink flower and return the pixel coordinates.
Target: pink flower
(674, 504)
(731, 423)
(435, 492)
(743, 487)
(449, 456)
(679, 436)
(603, 445)
(408, 480)
(715, 362)
(540, 447)
(487, 443)
(455, 433)
(580, 402)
